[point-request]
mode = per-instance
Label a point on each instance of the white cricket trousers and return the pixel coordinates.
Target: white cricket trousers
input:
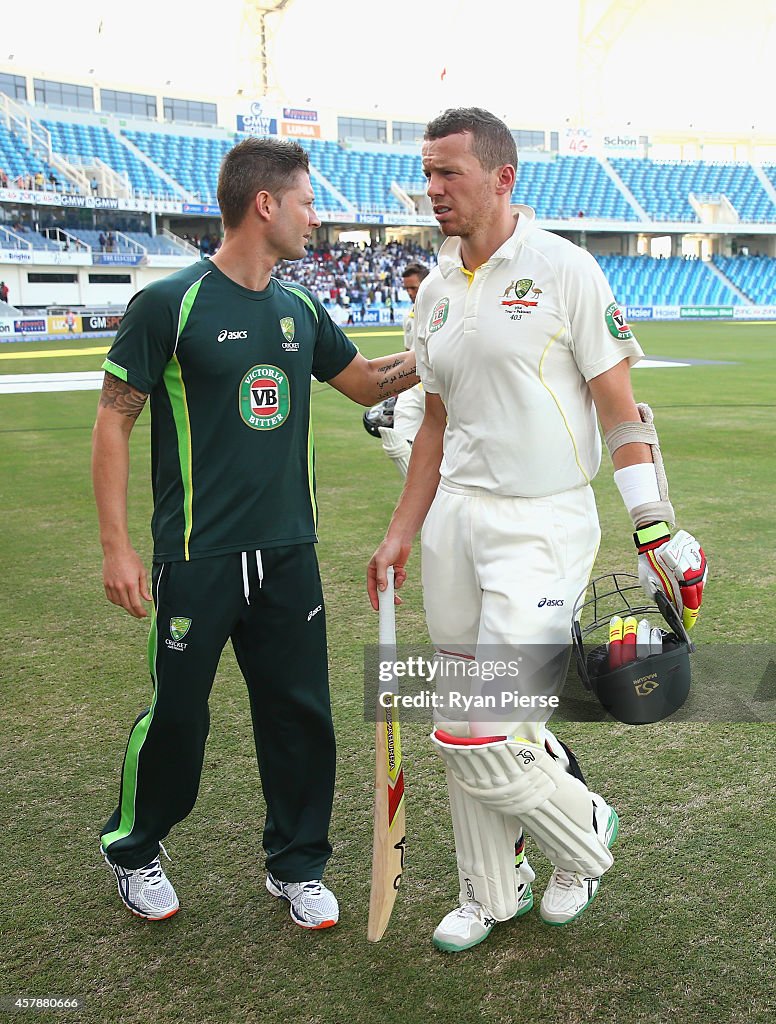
(500, 575)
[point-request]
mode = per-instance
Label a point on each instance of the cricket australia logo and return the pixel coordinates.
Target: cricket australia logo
(179, 627)
(439, 315)
(617, 324)
(264, 397)
(520, 298)
(288, 328)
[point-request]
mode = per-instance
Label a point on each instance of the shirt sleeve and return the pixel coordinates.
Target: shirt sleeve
(333, 348)
(144, 342)
(600, 335)
(422, 361)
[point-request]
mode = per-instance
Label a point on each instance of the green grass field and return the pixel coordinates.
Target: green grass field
(682, 929)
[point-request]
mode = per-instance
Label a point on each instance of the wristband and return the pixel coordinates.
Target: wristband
(637, 484)
(648, 537)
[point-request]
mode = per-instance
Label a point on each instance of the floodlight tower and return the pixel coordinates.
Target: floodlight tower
(598, 31)
(256, 31)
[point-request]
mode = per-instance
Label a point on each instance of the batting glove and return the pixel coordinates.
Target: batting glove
(676, 566)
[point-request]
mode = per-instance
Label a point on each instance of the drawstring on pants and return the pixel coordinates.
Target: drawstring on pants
(246, 582)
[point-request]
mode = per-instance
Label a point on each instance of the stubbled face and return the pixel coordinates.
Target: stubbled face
(411, 284)
(295, 219)
(461, 191)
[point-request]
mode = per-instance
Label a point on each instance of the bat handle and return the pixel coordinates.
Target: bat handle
(387, 614)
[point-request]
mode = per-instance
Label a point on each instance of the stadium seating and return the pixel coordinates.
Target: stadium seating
(663, 188)
(755, 276)
(17, 160)
(559, 188)
(193, 161)
(365, 177)
(37, 240)
(643, 281)
(158, 245)
(80, 143)
(770, 173)
(564, 187)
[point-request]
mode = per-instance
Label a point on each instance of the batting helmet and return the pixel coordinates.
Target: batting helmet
(641, 689)
(380, 415)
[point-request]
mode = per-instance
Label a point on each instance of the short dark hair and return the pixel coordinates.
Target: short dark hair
(492, 142)
(415, 268)
(257, 165)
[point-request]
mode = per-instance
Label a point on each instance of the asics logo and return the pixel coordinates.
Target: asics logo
(550, 602)
(314, 612)
(232, 335)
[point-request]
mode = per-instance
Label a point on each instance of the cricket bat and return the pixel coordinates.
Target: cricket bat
(389, 833)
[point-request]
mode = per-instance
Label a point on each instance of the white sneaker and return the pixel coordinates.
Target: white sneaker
(471, 924)
(312, 904)
(463, 928)
(568, 893)
(146, 891)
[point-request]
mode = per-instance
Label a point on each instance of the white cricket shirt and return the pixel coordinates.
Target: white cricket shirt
(509, 350)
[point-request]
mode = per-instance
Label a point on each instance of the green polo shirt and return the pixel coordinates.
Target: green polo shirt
(228, 371)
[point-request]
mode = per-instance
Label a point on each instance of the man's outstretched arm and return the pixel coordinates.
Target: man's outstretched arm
(368, 381)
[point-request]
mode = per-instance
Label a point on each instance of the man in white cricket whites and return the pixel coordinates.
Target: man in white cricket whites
(519, 343)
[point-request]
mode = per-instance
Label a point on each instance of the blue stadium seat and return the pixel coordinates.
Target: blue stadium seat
(643, 281)
(80, 144)
(663, 187)
(755, 276)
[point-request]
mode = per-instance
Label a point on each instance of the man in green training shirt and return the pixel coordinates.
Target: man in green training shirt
(226, 352)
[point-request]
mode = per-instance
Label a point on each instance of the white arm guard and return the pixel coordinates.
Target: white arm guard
(644, 432)
(522, 781)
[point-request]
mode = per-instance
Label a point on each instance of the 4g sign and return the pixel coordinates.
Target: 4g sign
(576, 141)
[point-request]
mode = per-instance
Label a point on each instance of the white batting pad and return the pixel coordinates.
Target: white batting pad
(396, 448)
(522, 781)
(485, 853)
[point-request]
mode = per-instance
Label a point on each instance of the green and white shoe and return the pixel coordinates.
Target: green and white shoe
(569, 893)
(472, 923)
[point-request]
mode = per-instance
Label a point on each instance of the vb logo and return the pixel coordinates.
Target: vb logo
(264, 397)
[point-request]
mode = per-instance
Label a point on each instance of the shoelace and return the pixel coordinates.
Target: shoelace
(152, 872)
(314, 888)
(469, 910)
(565, 879)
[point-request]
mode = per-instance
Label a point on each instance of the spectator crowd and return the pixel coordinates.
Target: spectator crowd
(348, 275)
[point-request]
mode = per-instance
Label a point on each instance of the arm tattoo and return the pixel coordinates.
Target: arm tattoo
(384, 367)
(387, 385)
(122, 397)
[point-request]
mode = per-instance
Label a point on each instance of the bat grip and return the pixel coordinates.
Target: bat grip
(387, 613)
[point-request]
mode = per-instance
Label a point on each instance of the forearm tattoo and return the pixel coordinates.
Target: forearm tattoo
(389, 384)
(122, 397)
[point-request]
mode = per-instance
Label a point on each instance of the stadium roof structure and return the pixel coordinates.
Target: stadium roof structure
(255, 77)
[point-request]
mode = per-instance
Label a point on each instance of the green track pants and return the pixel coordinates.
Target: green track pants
(270, 605)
